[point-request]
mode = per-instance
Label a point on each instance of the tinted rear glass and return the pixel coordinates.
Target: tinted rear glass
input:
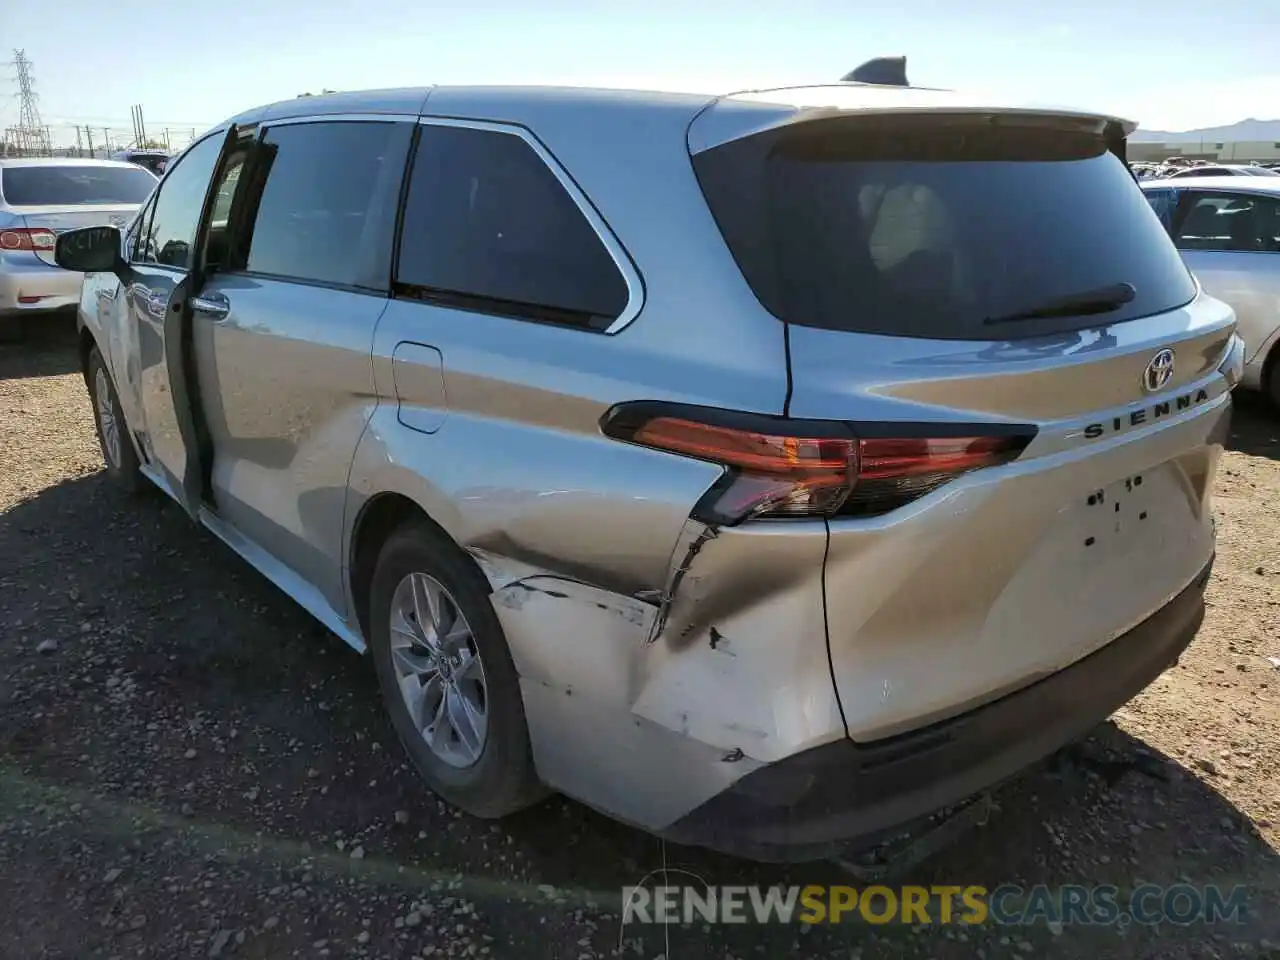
(72, 186)
(938, 226)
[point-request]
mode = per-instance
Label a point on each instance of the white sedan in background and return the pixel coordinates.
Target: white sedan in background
(41, 197)
(1228, 231)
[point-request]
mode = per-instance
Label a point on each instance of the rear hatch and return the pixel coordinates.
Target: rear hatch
(60, 197)
(953, 271)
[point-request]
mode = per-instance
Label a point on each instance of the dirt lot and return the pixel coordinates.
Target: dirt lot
(190, 767)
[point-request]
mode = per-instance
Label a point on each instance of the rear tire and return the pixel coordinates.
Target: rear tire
(113, 431)
(447, 677)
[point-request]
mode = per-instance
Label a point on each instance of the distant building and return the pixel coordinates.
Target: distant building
(1230, 151)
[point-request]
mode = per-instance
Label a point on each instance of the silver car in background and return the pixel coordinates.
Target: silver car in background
(768, 470)
(39, 199)
(1228, 230)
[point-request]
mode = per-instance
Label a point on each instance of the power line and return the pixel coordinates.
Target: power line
(119, 121)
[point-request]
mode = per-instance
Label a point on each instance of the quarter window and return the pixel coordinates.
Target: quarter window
(138, 230)
(325, 199)
(218, 240)
(170, 234)
(1235, 222)
(489, 227)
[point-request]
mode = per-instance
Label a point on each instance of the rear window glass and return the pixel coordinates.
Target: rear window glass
(72, 186)
(939, 227)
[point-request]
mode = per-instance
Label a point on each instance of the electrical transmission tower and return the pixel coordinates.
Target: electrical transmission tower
(30, 136)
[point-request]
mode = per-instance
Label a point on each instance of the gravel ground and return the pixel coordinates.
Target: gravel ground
(190, 767)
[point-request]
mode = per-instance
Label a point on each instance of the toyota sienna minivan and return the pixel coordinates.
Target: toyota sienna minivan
(769, 471)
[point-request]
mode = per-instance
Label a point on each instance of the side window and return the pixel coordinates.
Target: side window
(488, 226)
(1240, 222)
(1268, 209)
(171, 233)
(1162, 202)
(325, 201)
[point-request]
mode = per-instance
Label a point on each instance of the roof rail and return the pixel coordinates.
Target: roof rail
(883, 71)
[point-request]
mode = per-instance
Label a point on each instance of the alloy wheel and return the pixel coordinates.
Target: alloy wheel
(438, 670)
(106, 418)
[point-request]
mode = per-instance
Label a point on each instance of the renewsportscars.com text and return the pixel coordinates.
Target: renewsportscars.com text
(971, 905)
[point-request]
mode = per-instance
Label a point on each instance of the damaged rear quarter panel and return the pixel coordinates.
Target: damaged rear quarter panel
(648, 709)
(740, 660)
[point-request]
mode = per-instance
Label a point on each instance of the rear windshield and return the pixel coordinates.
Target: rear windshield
(940, 227)
(71, 186)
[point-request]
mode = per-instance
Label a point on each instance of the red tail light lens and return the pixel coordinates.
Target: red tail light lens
(777, 467)
(777, 473)
(23, 238)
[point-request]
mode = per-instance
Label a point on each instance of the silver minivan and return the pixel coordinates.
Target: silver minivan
(769, 471)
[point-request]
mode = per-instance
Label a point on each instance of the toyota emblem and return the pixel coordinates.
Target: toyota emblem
(1159, 372)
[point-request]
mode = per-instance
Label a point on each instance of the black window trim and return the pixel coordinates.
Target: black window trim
(1191, 197)
(149, 206)
(263, 128)
(533, 313)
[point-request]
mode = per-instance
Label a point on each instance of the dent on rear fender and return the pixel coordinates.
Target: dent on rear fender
(724, 670)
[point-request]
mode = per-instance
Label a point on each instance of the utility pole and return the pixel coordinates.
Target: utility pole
(89, 136)
(32, 134)
(139, 126)
(106, 142)
(79, 144)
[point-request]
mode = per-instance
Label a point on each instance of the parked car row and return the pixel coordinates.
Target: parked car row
(1169, 170)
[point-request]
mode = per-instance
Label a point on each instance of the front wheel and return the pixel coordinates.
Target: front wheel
(113, 432)
(447, 677)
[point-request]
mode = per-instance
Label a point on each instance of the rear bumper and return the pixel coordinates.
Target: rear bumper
(28, 285)
(815, 803)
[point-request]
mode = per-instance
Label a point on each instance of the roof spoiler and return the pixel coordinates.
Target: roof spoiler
(883, 71)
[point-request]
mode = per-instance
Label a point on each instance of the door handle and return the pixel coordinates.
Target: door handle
(216, 306)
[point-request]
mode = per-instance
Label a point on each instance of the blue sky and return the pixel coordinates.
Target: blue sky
(1171, 64)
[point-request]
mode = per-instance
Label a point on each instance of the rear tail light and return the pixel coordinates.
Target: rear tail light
(30, 239)
(778, 467)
